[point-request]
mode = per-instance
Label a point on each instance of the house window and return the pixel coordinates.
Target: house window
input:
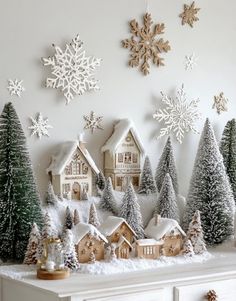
(127, 158)
(135, 181)
(120, 158)
(84, 169)
(75, 167)
(119, 181)
(148, 250)
(66, 188)
(135, 158)
(68, 170)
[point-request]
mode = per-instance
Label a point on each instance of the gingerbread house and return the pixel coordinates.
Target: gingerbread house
(88, 241)
(122, 248)
(168, 232)
(72, 171)
(116, 229)
(122, 155)
(148, 248)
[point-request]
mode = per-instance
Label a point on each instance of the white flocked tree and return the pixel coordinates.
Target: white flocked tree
(47, 230)
(166, 204)
(76, 217)
(130, 211)
(31, 255)
(147, 184)
(228, 151)
(70, 256)
(167, 165)
(108, 201)
(93, 217)
(50, 197)
(187, 248)
(210, 191)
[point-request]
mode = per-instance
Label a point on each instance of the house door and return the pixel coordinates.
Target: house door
(124, 253)
(76, 191)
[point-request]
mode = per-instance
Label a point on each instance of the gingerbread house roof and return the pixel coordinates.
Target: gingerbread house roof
(148, 242)
(61, 158)
(164, 227)
(82, 229)
(120, 131)
(111, 224)
(121, 241)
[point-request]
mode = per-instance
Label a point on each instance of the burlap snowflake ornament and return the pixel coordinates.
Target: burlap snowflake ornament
(189, 14)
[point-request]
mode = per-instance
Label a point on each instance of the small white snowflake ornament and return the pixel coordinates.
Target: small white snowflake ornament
(92, 122)
(179, 115)
(190, 61)
(72, 71)
(15, 87)
(39, 126)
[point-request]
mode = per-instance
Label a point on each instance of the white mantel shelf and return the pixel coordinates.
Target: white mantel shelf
(168, 283)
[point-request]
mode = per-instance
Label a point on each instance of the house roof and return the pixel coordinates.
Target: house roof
(120, 131)
(148, 242)
(61, 158)
(81, 229)
(164, 227)
(111, 224)
(120, 242)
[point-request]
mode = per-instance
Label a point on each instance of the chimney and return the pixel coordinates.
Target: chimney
(157, 219)
(82, 142)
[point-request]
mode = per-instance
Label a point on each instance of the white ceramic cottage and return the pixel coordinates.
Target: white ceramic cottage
(122, 155)
(72, 171)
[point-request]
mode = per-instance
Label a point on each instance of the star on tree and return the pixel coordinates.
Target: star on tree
(190, 61)
(39, 126)
(73, 71)
(220, 103)
(189, 14)
(179, 115)
(145, 45)
(92, 122)
(15, 87)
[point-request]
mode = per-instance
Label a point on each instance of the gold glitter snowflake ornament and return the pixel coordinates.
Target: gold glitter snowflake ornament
(189, 14)
(144, 44)
(220, 103)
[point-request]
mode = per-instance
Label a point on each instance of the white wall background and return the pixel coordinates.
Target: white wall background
(29, 27)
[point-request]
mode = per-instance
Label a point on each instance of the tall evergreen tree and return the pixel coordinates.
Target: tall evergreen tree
(210, 191)
(108, 201)
(167, 165)
(147, 184)
(93, 217)
(50, 197)
(100, 181)
(47, 229)
(33, 245)
(19, 199)
(167, 205)
(228, 151)
(130, 211)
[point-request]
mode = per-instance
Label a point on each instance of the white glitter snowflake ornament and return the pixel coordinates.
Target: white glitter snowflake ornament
(39, 126)
(15, 87)
(92, 122)
(190, 61)
(179, 116)
(72, 70)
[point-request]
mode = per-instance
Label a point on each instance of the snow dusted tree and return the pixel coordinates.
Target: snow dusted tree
(167, 165)
(50, 197)
(113, 252)
(100, 181)
(166, 205)
(210, 191)
(228, 151)
(130, 211)
(108, 201)
(195, 234)
(147, 184)
(47, 230)
(92, 257)
(84, 195)
(93, 217)
(188, 248)
(76, 218)
(33, 244)
(68, 224)
(19, 200)
(70, 259)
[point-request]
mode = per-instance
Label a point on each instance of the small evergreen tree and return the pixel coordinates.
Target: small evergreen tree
(210, 191)
(70, 259)
(228, 151)
(19, 200)
(167, 205)
(167, 165)
(100, 181)
(93, 217)
(76, 217)
(92, 257)
(47, 230)
(188, 248)
(68, 224)
(130, 211)
(33, 244)
(195, 234)
(147, 184)
(113, 253)
(50, 197)
(108, 201)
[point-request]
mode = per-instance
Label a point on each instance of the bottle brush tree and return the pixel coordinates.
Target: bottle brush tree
(70, 256)
(100, 181)
(108, 201)
(19, 199)
(93, 217)
(50, 197)
(33, 245)
(147, 184)
(76, 218)
(68, 224)
(210, 191)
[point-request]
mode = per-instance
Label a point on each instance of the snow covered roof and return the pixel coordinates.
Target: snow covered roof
(121, 240)
(81, 229)
(120, 132)
(148, 242)
(64, 155)
(164, 227)
(111, 224)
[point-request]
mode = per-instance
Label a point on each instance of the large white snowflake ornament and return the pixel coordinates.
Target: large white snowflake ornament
(39, 126)
(179, 116)
(72, 70)
(190, 61)
(15, 87)
(92, 122)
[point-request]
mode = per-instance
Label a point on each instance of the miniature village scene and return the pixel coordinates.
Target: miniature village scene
(122, 218)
